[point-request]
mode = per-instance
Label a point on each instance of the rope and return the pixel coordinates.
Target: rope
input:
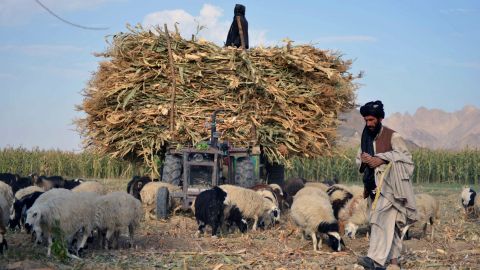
(380, 184)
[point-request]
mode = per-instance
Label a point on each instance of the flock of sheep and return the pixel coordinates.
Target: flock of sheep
(83, 209)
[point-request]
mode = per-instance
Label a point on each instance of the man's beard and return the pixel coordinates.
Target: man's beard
(374, 132)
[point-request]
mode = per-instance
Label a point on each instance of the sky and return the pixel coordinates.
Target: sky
(413, 53)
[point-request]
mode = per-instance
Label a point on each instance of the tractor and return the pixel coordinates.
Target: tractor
(210, 164)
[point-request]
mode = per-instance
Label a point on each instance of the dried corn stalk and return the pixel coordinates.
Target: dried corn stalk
(289, 96)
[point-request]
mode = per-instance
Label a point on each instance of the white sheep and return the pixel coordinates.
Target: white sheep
(322, 186)
(4, 215)
(90, 186)
(358, 218)
(428, 211)
(251, 204)
(27, 191)
(6, 192)
(271, 198)
(312, 190)
(71, 212)
(54, 192)
(148, 195)
(115, 212)
(313, 214)
(470, 201)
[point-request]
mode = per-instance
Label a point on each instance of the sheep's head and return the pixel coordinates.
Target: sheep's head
(351, 230)
(335, 241)
(34, 216)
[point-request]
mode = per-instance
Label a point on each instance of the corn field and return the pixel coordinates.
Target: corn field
(431, 166)
(64, 163)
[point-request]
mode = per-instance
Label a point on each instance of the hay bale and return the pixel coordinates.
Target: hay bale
(289, 97)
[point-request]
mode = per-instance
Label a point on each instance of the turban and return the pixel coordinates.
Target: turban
(373, 108)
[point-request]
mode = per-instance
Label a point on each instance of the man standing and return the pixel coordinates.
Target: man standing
(387, 168)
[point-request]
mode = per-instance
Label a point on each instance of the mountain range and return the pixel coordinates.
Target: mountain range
(427, 128)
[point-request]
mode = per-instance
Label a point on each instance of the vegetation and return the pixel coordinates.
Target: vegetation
(431, 166)
(65, 163)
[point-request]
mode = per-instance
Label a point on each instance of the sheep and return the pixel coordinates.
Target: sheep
(292, 187)
(90, 186)
(469, 201)
(235, 217)
(70, 212)
(311, 190)
(313, 214)
(114, 212)
(251, 204)
(148, 196)
(4, 207)
(20, 207)
(71, 184)
(9, 178)
(6, 192)
(339, 196)
(357, 219)
(46, 196)
(276, 191)
(209, 209)
(322, 186)
(20, 183)
(136, 184)
(27, 191)
(48, 182)
(428, 211)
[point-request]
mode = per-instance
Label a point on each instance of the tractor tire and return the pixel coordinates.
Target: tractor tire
(172, 170)
(163, 198)
(245, 173)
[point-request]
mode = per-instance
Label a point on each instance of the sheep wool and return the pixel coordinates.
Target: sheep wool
(312, 190)
(428, 211)
(313, 214)
(27, 191)
(319, 185)
(90, 186)
(116, 212)
(251, 204)
(6, 192)
(277, 188)
(71, 212)
(358, 218)
(4, 210)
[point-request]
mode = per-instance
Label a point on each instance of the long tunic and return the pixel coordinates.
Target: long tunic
(396, 204)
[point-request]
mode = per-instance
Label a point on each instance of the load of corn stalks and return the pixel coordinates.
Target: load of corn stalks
(285, 99)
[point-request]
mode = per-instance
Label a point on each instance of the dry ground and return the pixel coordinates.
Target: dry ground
(172, 245)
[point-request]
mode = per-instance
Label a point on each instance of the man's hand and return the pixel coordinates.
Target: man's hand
(365, 157)
(372, 162)
(375, 162)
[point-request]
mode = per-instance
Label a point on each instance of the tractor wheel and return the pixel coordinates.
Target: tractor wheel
(172, 170)
(162, 203)
(244, 173)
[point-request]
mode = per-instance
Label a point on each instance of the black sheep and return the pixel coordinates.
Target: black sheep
(136, 184)
(209, 208)
(70, 184)
(9, 178)
(235, 218)
(20, 207)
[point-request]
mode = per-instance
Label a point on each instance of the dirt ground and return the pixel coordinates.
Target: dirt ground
(171, 245)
